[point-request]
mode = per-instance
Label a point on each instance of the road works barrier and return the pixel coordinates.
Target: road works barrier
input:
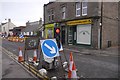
(16, 39)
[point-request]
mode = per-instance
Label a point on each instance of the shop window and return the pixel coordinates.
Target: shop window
(84, 7)
(50, 35)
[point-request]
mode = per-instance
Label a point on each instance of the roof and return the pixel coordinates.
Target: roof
(3, 23)
(31, 28)
(48, 3)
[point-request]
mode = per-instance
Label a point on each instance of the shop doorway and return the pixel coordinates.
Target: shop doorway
(63, 34)
(72, 35)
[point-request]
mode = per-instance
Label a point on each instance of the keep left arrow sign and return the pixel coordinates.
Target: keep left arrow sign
(52, 49)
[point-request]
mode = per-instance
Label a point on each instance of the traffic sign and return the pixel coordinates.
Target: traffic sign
(31, 43)
(49, 48)
(21, 36)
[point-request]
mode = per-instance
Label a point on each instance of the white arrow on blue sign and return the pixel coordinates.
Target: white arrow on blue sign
(49, 48)
(21, 36)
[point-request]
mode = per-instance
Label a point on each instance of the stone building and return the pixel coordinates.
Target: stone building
(93, 24)
(6, 27)
(33, 28)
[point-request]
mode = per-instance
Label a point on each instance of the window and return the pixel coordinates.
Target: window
(84, 7)
(63, 12)
(3, 29)
(49, 15)
(52, 12)
(78, 9)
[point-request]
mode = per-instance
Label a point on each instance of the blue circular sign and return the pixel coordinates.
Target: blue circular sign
(49, 48)
(21, 36)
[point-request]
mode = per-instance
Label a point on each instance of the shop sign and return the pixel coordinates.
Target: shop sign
(76, 22)
(49, 25)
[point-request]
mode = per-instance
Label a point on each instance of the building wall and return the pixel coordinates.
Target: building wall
(99, 38)
(32, 28)
(7, 26)
(110, 24)
(70, 11)
(119, 23)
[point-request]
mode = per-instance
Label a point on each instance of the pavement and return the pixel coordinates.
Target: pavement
(111, 51)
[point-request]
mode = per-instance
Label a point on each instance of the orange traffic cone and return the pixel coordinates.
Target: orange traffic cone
(20, 58)
(35, 56)
(72, 68)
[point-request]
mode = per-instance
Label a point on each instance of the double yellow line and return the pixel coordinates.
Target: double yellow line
(34, 71)
(26, 65)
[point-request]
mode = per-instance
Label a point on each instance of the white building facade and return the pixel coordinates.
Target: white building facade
(5, 27)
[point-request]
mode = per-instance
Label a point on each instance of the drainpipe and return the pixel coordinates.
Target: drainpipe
(101, 21)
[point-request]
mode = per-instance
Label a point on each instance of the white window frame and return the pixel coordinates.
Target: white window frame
(78, 9)
(63, 12)
(84, 7)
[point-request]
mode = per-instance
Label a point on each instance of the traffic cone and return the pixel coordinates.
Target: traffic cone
(35, 56)
(74, 73)
(20, 57)
(72, 68)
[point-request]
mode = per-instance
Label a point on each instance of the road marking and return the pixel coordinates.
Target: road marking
(25, 64)
(9, 55)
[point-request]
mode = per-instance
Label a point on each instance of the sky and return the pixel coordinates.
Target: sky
(21, 11)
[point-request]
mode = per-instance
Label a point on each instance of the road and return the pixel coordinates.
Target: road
(88, 66)
(12, 69)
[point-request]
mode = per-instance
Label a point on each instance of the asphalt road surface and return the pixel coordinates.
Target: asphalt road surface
(11, 69)
(88, 66)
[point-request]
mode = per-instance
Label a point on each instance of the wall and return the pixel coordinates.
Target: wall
(70, 11)
(110, 24)
(8, 26)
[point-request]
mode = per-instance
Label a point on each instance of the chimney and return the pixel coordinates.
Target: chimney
(40, 21)
(27, 23)
(9, 20)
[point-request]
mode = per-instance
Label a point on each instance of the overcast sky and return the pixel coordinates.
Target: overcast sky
(21, 11)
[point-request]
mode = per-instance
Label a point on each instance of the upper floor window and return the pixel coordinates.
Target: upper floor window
(49, 15)
(63, 12)
(78, 9)
(52, 12)
(84, 7)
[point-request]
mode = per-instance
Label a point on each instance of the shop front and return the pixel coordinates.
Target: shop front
(49, 31)
(79, 32)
